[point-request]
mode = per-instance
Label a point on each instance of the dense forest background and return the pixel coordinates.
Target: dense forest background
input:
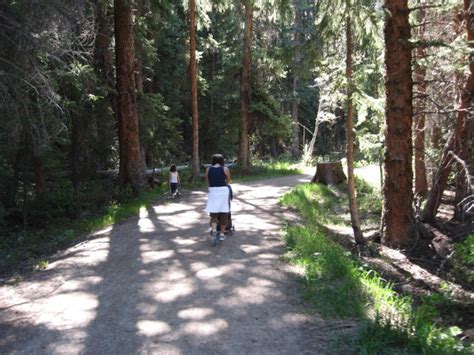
(94, 92)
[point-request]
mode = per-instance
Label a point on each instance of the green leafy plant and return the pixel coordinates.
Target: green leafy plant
(338, 285)
(463, 262)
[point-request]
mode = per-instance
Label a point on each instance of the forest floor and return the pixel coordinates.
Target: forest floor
(422, 270)
(153, 284)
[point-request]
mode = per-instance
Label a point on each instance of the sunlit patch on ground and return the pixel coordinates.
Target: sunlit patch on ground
(152, 256)
(153, 327)
(175, 291)
(209, 273)
(205, 328)
(182, 241)
(73, 308)
(72, 285)
(195, 313)
(103, 231)
(146, 225)
(93, 253)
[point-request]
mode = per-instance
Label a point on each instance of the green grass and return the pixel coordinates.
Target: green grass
(338, 285)
(265, 170)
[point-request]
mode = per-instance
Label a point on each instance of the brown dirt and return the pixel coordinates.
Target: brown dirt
(153, 284)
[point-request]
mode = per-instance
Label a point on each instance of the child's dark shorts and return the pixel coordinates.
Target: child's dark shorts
(174, 187)
(221, 218)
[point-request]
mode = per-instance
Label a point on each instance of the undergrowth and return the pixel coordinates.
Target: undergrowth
(338, 285)
(21, 250)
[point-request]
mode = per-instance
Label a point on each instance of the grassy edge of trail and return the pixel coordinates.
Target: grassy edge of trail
(25, 252)
(338, 285)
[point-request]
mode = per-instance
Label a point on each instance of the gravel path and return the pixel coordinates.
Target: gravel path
(153, 284)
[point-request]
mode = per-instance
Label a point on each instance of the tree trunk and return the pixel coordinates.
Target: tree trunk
(330, 173)
(245, 99)
(355, 221)
(397, 218)
(295, 141)
(75, 152)
(12, 191)
(194, 99)
(104, 67)
(464, 174)
(436, 136)
(103, 55)
(419, 74)
(40, 175)
(440, 180)
(132, 171)
(460, 140)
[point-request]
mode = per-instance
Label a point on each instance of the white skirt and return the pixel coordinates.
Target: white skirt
(218, 200)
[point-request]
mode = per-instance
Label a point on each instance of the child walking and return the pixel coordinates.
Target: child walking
(173, 181)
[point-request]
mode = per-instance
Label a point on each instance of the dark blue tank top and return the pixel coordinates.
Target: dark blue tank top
(216, 176)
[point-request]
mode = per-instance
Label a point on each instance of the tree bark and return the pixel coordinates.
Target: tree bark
(330, 173)
(419, 74)
(465, 174)
(245, 95)
(103, 55)
(397, 219)
(194, 98)
(10, 194)
(461, 138)
(40, 175)
(355, 220)
(132, 171)
(295, 141)
(104, 67)
(436, 136)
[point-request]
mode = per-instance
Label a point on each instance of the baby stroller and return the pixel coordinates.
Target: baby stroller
(229, 228)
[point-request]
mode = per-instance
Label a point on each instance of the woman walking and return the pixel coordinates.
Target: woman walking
(218, 202)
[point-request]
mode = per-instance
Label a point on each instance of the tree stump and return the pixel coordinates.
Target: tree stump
(330, 173)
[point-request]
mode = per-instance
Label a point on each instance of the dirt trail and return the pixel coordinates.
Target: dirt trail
(153, 284)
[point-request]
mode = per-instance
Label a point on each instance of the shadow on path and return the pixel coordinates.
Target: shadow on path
(154, 284)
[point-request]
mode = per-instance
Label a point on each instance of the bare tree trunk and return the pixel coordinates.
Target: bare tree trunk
(355, 220)
(436, 136)
(312, 142)
(132, 171)
(194, 99)
(459, 142)
(75, 152)
(465, 174)
(104, 67)
(10, 199)
(245, 95)
(440, 180)
(295, 141)
(419, 74)
(40, 175)
(397, 218)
